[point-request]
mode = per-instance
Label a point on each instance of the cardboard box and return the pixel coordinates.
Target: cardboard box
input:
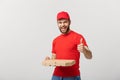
(57, 62)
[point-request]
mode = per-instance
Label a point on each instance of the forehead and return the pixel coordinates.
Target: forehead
(63, 20)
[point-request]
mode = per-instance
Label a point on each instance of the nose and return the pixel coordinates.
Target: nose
(62, 24)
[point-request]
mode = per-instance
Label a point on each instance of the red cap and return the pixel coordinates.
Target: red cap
(63, 15)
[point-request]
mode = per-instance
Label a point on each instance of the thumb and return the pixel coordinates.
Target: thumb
(81, 41)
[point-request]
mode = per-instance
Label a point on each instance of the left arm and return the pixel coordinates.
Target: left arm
(85, 50)
(87, 53)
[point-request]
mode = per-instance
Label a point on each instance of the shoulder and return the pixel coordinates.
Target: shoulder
(56, 38)
(77, 34)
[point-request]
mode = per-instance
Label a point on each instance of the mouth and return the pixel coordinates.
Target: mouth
(63, 29)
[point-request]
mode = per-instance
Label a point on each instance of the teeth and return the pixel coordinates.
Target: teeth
(62, 29)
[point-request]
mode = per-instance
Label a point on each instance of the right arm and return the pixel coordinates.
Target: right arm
(52, 57)
(53, 52)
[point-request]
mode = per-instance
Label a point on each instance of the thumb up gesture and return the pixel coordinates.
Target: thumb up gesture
(81, 47)
(84, 49)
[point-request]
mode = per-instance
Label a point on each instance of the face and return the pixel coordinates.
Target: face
(63, 25)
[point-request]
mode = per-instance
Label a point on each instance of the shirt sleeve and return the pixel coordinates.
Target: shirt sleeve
(84, 41)
(81, 39)
(53, 47)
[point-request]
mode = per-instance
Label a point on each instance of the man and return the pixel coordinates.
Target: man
(68, 45)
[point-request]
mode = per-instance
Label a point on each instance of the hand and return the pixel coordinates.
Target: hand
(47, 58)
(84, 49)
(81, 47)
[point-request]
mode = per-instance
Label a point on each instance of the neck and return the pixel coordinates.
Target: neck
(66, 32)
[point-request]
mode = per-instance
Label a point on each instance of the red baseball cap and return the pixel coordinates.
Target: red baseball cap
(63, 15)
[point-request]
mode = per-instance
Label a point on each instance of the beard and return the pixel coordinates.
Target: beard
(65, 32)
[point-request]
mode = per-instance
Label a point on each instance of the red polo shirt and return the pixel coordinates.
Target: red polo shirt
(65, 47)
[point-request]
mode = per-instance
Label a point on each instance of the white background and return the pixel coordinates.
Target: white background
(27, 28)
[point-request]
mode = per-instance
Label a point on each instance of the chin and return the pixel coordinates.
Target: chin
(65, 32)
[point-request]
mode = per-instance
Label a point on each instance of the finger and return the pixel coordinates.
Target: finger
(81, 40)
(47, 58)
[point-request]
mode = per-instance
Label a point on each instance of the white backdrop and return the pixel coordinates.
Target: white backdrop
(27, 28)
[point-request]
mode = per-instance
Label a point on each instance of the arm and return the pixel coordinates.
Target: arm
(52, 57)
(85, 50)
(87, 53)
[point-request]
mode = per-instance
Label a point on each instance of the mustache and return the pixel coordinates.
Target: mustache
(66, 30)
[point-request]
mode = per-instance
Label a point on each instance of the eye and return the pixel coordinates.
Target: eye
(65, 21)
(59, 22)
